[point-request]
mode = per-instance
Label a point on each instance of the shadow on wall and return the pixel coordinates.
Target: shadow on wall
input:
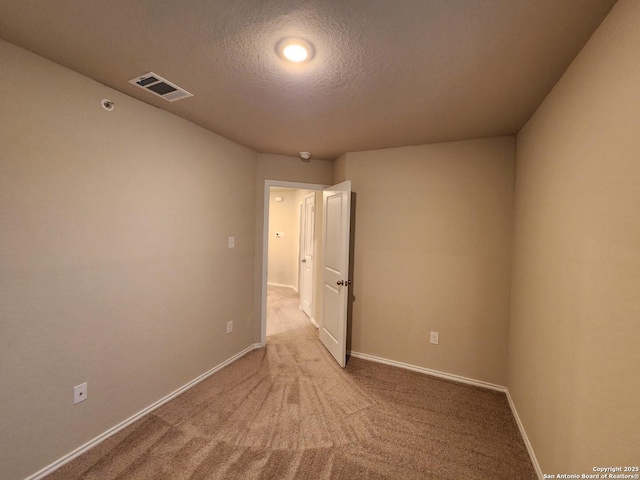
(352, 298)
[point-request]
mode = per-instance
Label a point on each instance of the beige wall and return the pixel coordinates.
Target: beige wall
(114, 266)
(432, 252)
(574, 357)
(284, 217)
(339, 166)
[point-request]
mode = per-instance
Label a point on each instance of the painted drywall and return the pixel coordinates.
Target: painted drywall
(114, 266)
(433, 236)
(575, 314)
(339, 169)
(284, 218)
(289, 169)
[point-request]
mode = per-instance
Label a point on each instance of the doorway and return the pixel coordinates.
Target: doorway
(333, 251)
(291, 247)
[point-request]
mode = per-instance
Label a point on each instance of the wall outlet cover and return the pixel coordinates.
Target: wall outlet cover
(80, 393)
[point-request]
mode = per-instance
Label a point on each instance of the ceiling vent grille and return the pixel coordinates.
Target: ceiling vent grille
(160, 87)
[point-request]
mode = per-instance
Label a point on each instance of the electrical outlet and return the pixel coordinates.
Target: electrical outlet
(232, 242)
(80, 393)
(435, 338)
(230, 326)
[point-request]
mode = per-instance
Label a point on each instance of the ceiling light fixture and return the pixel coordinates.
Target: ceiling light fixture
(295, 50)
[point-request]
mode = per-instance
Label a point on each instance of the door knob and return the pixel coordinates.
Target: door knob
(304, 260)
(340, 282)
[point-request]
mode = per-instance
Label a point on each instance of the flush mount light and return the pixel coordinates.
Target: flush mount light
(295, 50)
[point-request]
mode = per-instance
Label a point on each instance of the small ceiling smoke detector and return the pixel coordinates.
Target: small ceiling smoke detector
(305, 156)
(107, 104)
(295, 50)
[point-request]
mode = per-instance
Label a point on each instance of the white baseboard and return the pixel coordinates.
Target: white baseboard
(448, 376)
(115, 429)
(527, 443)
(273, 284)
(468, 381)
(428, 371)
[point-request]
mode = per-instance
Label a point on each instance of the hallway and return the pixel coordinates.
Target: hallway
(283, 312)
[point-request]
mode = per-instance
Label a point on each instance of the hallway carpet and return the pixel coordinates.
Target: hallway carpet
(288, 411)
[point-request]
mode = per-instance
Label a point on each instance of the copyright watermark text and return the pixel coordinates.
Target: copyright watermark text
(630, 473)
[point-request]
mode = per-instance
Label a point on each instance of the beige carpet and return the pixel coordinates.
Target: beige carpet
(289, 411)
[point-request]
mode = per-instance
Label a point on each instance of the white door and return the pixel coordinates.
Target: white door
(335, 274)
(308, 236)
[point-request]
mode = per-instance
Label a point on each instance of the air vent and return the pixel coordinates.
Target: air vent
(160, 87)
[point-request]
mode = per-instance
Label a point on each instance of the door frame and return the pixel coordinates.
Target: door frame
(265, 243)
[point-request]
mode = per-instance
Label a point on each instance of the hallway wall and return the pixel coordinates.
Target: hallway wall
(283, 252)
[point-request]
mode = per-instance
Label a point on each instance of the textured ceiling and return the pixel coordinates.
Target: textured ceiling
(386, 73)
